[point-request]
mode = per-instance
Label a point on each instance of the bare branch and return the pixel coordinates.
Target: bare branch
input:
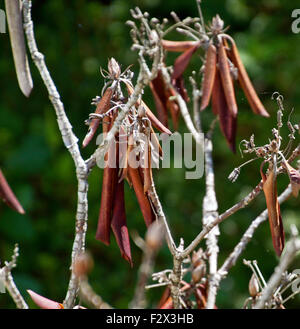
(71, 143)
(8, 281)
(291, 249)
(210, 213)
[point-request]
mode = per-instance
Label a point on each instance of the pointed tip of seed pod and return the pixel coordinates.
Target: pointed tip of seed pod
(44, 302)
(20, 210)
(87, 139)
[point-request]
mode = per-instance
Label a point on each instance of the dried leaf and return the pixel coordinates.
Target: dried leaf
(44, 302)
(102, 107)
(270, 191)
(228, 122)
(254, 101)
(7, 195)
(226, 80)
(119, 225)
(209, 76)
(178, 46)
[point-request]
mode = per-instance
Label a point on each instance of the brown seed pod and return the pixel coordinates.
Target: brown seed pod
(119, 224)
(155, 122)
(178, 46)
(143, 201)
(245, 82)
(226, 79)
(109, 182)
(275, 220)
(228, 122)
(102, 107)
(209, 76)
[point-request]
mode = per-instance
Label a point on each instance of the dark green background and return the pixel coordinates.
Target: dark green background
(77, 37)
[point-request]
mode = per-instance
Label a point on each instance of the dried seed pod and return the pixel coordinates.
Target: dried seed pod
(119, 224)
(143, 201)
(197, 257)
(178, 46)
(209, 76)
(275, 220)
(102, 107)
(155, 122)
(199, 272)
(147, 168)
(182, 61)
(226, 80)
(253, 286)
(7, 195)
(114, 68)
(109, 183)
(245, 82)
(294, 176)
(16, 34)
(158, 91)
(228, 122)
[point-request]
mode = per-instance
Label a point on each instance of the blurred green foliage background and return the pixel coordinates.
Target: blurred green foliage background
(77, 37)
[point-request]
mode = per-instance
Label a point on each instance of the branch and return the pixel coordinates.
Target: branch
(291, 249)
(71, 144)
(210, 213)
(8, 281)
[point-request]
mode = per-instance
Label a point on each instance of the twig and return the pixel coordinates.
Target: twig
(71, 143)
(8, 281)
(291, 249)
(87, 293)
